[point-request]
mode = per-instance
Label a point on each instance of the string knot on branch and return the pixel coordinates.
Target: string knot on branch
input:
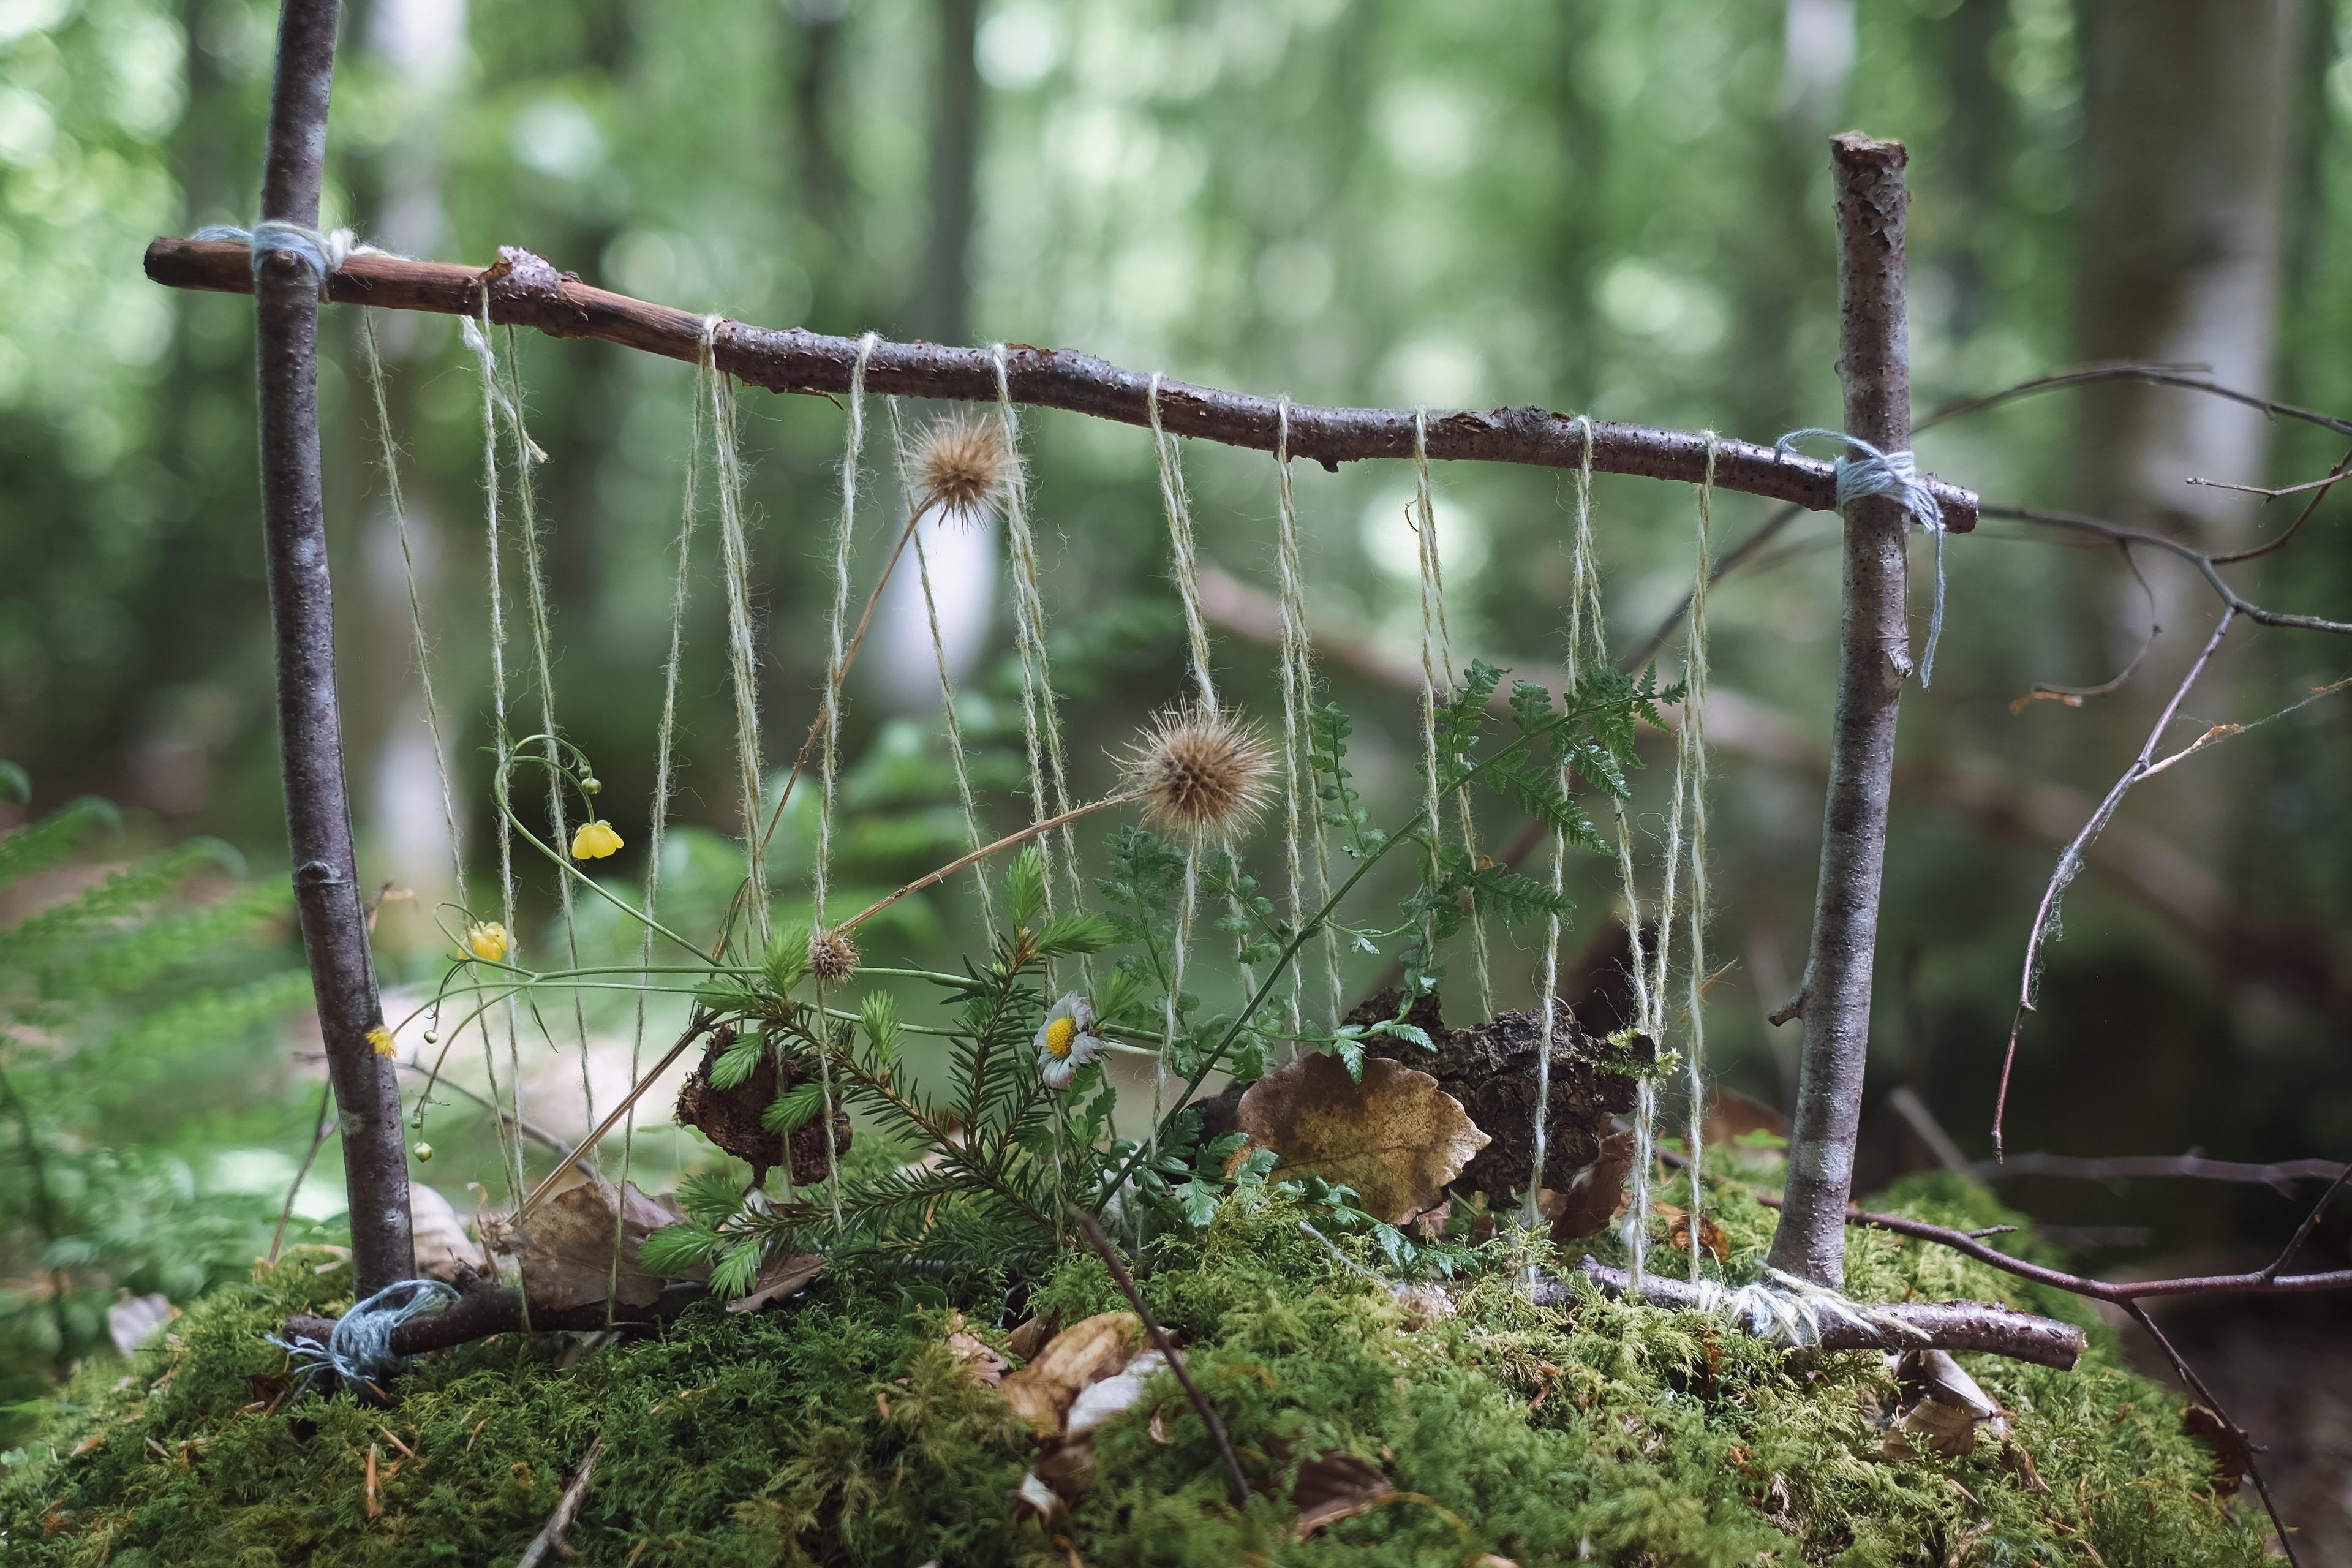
(1896, 475)
(323, 254)
(360, 1348)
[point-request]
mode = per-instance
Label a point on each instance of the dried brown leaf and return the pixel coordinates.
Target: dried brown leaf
(1678, 1231)
(2231, 1459)
(778, 1278)
(443, 1250)
(1594, 1195)
(565, 1247)
(1396, 1138)
(1085, 1353)
(1334, 1486)
(981, 1362)
(1027, 1338)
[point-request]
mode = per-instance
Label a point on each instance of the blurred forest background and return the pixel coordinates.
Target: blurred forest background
(1588, 205)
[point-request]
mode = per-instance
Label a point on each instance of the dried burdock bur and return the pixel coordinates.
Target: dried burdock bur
(1396, 1137)
(565, 1246)
(2230, 1460)
(778, 1278)
(1083, 1354)
(1336, 1487)
(1491, 1070)
(1594, 1195)
(730, 1118)
(1678, 1231)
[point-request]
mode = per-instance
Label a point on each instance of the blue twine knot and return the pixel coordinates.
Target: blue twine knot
(1895, 474)
(360, 1348)
(323, 254)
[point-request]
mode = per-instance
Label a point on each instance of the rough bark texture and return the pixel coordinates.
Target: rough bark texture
(730, 1118)
(1873, 661)
(309, 727)
(527, 291)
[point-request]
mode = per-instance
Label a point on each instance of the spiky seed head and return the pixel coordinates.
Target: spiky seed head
(833, 957)
(963, 463)
(1204, 773)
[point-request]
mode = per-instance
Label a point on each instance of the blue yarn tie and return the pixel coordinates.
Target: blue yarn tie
(360, 1348)
(323, 254)
(1895, 475)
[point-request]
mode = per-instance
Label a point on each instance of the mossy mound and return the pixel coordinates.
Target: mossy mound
(840, 1429)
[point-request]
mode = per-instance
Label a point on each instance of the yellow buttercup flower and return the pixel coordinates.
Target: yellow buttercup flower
(489, 941)
(381, 1038)
(595, 840)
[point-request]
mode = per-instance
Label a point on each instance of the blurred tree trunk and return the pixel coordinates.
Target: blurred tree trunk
(1975, 137)
(2184, 178)
(942, 304)
(823, 181)
(2184, 184)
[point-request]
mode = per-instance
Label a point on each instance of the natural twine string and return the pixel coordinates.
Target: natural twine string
(947, 684)
(1582, 576)
(1433, 597)
(526, 456)
(1893, 473)
(1039, 713)
(829, 762)
(663, 738)
(477, 339)
(742, 657)
(1297, 693)
(1693, 749)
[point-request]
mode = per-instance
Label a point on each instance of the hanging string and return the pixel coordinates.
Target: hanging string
(1581, 576)
(1433, 595)
(829, 761)
(734, 556)
(1895, 475)
(527, 455)
(477, 339)
(1692, 747)
(1297, 693)
(1039, 713)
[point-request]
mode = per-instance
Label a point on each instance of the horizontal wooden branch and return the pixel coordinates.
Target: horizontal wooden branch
(482, 1309)
(1925, 1325)
(525, 290)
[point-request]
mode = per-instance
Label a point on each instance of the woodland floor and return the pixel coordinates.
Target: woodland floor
(844, 1425)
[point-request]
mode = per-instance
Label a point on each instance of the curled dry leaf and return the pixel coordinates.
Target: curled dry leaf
(1335, 1487)
(2230, 1460)
(980, 1360)
(444, 1251)
(1593, 1197)
(565, 1247)
(1396, 1138)
(1678, 1231)
(1083, 1353)
(1027, 1338)
(778, 1278)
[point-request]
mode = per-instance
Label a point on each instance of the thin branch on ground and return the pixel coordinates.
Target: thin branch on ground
(550, 1540)
(1126, 1282)
(525, 290)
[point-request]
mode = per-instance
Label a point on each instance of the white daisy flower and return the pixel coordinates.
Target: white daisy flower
(1063, 1044)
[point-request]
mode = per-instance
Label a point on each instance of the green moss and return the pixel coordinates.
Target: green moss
(841, 1430)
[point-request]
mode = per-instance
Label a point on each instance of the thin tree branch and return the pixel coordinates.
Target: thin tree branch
(2206, 564)
(2196, 1385)
(1874, 659)
(1208, 1413)
(1897, 1326)
(2187, 377)
(2070, 862)
(527, 291)
(550, 1540)
(2279, 1175)
(309, 727)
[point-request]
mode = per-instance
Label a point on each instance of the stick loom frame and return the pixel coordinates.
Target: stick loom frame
(522, 290)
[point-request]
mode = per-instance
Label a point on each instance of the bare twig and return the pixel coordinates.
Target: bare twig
(294, 1187)
(2208, 566)
(2196, 378)
(1873, 661)
(2196, 1385)
(1126, 1282)
(525, 292)
(287, 287)
(2069, 861)
(550, 1540)
(1897, 1326)
(2310, 1223)
(2280, 1176)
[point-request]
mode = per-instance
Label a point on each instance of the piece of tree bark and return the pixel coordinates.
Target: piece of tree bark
(317, 810)
(1873, 661)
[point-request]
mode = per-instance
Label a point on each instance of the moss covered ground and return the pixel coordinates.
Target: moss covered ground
(840, 1428)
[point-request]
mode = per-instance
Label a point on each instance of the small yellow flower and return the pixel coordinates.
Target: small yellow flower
(489, 941)
(595, 840)
(381, 1038)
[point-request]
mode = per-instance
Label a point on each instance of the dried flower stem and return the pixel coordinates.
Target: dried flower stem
(1018, 835)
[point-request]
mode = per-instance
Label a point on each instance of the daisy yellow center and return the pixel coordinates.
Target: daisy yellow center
(1059, 1035)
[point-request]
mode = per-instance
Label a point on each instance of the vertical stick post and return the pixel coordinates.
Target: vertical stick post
(1873, 661)
(309, 727)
